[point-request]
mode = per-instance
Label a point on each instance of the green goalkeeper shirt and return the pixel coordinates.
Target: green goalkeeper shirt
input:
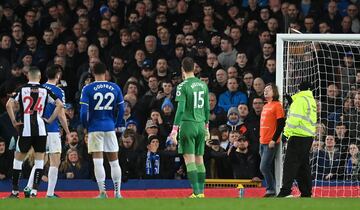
(192, 96)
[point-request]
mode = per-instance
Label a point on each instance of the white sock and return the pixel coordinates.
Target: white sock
(99, 173)
(31, 178)
(116, 176)
(17, 164)
(39, 164)
(52, 179)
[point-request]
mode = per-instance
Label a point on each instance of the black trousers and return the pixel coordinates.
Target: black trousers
(297, 166)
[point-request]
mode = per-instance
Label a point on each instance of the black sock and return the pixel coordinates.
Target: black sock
(15, 179)
(37, 178)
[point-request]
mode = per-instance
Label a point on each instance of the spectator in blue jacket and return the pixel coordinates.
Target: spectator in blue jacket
(232, 97)
(353, 163)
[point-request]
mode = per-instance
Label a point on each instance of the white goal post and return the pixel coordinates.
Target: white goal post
(302, 57)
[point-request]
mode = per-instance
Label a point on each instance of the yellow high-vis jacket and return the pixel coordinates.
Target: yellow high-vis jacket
(302, 116)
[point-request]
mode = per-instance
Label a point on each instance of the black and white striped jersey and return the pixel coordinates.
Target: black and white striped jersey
(32, 99)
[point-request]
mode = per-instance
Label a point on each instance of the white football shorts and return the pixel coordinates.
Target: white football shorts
(99, 141)
(53, 142)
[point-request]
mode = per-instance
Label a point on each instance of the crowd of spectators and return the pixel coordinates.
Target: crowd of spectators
(143, 42)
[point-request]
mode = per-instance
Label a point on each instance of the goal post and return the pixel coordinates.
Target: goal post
(325, 61)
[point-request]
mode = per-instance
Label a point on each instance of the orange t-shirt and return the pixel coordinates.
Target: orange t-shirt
(268, 122)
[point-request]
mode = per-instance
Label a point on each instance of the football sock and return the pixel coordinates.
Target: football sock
(201, 177)
(99, 173)
(17, 167)
(52, 179)
(116, 175)
(39, 165)
(31, 178)
(193, 177)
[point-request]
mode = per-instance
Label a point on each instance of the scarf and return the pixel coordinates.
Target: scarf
(152, 164)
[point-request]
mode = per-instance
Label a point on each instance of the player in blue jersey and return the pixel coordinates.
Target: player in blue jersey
(53, 142)
(102, 109)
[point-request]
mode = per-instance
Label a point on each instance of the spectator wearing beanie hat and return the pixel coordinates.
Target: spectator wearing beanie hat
(167, 112)
(131, 124)
(151, 161)
(167, 103)
(152, 128)
(233, 117)
(26, 58)
(234, 122)
(105, 12)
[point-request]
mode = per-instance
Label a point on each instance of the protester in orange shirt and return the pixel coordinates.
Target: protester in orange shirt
(272, 123)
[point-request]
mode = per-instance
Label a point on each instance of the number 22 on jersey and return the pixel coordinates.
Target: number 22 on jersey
(107, 97)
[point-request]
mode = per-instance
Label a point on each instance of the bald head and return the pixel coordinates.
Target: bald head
(34, 74)
(259, 85)
(259, 80)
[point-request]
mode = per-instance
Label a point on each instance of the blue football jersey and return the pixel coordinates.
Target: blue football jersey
(49, 109)
(100, 101)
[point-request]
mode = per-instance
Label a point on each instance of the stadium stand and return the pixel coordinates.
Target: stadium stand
(142, 44)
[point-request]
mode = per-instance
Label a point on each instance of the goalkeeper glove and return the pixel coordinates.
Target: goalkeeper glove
(174, 133)
(207, 132)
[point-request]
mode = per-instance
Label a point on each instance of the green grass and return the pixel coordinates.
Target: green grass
(178, 204)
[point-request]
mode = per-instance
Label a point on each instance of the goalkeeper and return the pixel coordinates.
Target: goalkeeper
(192, 117)
(300, 131)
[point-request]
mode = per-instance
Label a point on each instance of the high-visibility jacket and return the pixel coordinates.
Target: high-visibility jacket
(302, 116)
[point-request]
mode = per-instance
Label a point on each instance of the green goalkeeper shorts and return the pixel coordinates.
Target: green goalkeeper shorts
(191, 138)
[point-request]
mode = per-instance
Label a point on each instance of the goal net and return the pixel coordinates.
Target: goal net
(331, 63)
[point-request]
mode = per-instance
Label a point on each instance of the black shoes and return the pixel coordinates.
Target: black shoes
(269, 195)
(12, 195)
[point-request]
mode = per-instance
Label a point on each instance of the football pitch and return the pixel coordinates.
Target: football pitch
(178, 204)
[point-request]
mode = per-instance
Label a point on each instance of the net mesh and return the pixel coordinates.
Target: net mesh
(332, 67)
